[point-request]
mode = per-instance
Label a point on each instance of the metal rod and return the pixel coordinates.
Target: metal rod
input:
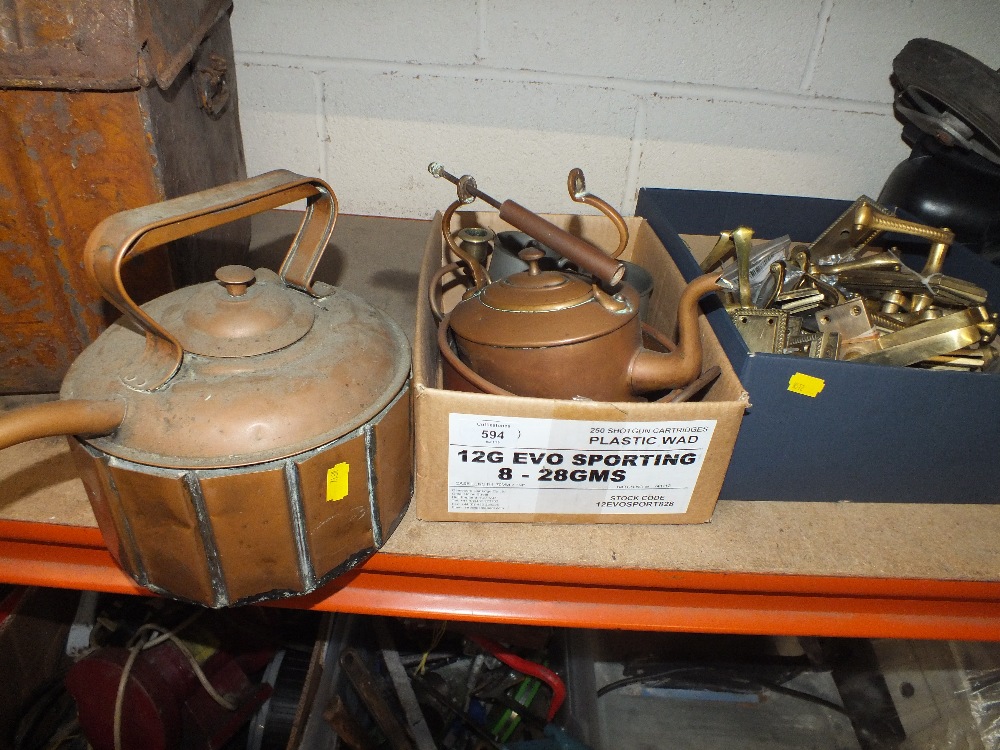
(467, 183)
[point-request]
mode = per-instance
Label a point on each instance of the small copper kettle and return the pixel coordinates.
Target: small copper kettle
(559, 334)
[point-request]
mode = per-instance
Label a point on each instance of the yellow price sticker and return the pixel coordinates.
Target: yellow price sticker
(336, 481)
(805, 385)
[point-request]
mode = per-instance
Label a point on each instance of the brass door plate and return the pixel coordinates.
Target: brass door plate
(842, 239)
(850, 319)
(762, 330)
(814, 345)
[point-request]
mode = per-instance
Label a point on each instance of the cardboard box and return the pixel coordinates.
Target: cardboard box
(874, 433)
(444, 490)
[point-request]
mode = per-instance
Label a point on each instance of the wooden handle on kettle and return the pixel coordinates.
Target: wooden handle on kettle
(571, 247)
(130, 233)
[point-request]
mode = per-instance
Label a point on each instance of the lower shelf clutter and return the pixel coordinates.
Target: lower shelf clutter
(120, 672)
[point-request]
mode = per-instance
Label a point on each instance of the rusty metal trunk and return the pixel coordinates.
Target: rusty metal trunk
(104, 106)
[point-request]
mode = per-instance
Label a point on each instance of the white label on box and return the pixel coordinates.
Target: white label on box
(569, 466)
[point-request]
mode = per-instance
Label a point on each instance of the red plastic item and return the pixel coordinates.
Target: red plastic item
(164, 706)
(530, 668)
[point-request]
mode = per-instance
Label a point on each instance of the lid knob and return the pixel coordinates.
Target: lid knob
(236, 279)
(531, 256)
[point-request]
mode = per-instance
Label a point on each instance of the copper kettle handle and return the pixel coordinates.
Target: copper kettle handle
(130, 233)
(576, 184)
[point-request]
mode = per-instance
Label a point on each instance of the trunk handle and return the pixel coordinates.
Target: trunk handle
(128, 234)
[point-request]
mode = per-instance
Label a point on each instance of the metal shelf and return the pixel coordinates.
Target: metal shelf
(569, 596)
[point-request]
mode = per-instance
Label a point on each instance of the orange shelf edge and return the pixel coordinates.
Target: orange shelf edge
(569, 596)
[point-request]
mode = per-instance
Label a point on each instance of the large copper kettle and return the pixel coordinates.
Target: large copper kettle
(240, 439)
(558, 334)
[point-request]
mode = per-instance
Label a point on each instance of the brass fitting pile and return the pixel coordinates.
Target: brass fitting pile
(847, 297)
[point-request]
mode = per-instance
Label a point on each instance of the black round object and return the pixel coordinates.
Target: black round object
(943, 188)
(951, 81)
(950, 105)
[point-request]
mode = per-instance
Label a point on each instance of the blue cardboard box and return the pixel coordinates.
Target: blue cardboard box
(873, 433)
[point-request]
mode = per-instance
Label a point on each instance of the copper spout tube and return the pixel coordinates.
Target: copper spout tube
(68, 417)
(653, 371)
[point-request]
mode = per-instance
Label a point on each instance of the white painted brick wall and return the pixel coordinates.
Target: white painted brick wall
(776, 96)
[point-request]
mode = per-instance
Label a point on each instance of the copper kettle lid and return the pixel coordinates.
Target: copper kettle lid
(539, 308)
(251, 368)
(536, 290)
(244, 314)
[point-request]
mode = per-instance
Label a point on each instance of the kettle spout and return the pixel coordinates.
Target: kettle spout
(659, 371)
(67, 417)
